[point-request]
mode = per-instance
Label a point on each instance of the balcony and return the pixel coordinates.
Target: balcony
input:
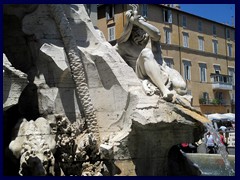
(215, 101)
(221, 82)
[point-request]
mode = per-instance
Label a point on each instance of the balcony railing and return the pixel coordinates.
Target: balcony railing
(223, 82)
(213, 101)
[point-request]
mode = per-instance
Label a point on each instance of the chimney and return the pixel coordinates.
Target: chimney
(177, 6)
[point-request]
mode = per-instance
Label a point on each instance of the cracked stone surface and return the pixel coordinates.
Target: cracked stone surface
(136, 131)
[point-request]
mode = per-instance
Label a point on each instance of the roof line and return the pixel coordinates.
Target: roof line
(179, 10)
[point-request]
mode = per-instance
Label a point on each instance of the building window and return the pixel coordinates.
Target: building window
(184, 21)
(111, 33)
(144, 10)
(203, 72)
(167, 38)
(200, 26)
(219, 96)
(167, 16)
(232, 95)
(231, 72)
(169, 62)
(187, 70)
(229, 50)
(214, 30)
(185, 40)
(109, 12)
(205, 96)
(217, 69)
(201, 43)
(227, 33)
(215, 46)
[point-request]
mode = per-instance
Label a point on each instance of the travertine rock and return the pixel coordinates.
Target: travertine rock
(34, 145)
(47, 99)
(14, 81)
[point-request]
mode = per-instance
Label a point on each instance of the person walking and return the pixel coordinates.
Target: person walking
(222, 140)
(210, 144)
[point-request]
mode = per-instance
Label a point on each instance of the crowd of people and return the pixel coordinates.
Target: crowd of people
(211, 145)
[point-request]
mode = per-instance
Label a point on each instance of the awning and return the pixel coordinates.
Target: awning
(229, 116)
(217, 116)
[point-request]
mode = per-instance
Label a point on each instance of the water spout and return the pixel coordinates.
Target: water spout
(222, 148)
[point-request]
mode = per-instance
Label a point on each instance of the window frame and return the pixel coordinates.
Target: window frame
(187, 70)
(185, 40)
(214, 30)
(167, 36)
(169, 61)
(167, 13)
(203, 72)
(229, 50)
(184, 21)
(109, 12)
(215, 46)
(111, 29)
(231, 72)
(200, 26)
(144, 10)
(200, 43)
(228, 34)
(217, 69)
(205, 95)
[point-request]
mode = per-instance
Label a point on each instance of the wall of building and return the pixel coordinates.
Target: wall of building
(206, 109)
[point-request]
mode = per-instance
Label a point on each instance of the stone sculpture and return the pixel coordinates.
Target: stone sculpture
(77, 149)
(87, 98)
(132, 47)
(76, 66)
(34, 144)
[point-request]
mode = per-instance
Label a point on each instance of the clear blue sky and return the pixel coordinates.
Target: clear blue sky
(222, 13)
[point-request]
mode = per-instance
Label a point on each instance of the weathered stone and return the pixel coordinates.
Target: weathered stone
(47, 100)
(78, 74)
(34, 144)
(14, 81)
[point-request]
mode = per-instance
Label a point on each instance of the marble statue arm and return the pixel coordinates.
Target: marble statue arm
(139, 21)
